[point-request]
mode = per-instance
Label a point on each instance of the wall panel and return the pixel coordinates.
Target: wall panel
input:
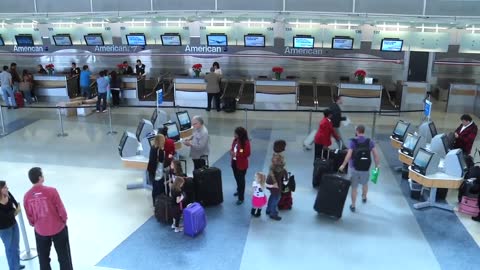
(183, 5)
(453, 7)
(121, 5)
(63, 6)
(389, 7)
(18, 6)
(250, 5)
(319, 5)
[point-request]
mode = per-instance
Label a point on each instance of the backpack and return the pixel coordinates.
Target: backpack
(361, 155)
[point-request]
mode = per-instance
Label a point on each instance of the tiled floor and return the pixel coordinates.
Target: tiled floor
(111, 227)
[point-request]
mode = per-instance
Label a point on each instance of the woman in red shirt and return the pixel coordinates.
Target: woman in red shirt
(169, 147)
(240, 152)
(325, 133)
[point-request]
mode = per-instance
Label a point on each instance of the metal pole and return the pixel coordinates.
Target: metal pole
(310, 122)
(62, 133)
(246, 119)
(4, 132)
(29, 253)
(111, 132)
(374, 124)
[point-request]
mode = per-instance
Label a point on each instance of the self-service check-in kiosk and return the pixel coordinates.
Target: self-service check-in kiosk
(400, 131)
(454, 163)
(427, 130)
(158, 118)
(425, 162)
(144, 127)
(440, 145)
(128, 145)
(412, 144)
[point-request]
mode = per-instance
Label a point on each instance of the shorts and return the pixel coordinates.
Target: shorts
(358, 177)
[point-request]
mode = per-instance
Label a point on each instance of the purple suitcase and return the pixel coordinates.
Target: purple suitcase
(194, 219)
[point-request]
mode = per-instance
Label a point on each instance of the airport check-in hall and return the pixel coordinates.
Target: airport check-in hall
(239, 135)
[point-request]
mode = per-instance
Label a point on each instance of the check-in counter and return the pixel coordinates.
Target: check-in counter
(190, 92)
(276, 94)
(413, 95)
(359, 96)
(128, 87)
(51, 88)
(461, 98)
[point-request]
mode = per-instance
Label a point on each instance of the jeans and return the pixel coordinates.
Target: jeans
(104, 103)
(273, 203)
(240, 179)
(11, 240)
(9, 96)
(210, 96)
(62, 247)
(85, 91)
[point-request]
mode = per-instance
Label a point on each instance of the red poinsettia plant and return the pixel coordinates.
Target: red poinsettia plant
(50, 67)
(277, 70)
(197, 67)
(122, 66)
(360, 74)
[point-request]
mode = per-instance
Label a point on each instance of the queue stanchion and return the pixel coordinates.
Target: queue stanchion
(310, 122)
(246, 119)
(111, 132)
(4, 131)
(62, 132)
(374, 124)
(28, 253)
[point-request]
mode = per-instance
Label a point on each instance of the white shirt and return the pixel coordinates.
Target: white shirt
(257, 190)
(464, 127)
(218, 71)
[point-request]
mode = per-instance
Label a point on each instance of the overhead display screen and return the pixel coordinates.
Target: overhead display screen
(171, 40)
(62, 40)
(217, 40)
(342, 43)
(303, 42)
(391, 45)
(24, 40)
(94, 40)
(136, 40)
(254, 40)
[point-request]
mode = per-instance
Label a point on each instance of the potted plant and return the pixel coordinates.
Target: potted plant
(360, 75)
(278, 71)
(50, 69)
(121, 68)
(197, 68)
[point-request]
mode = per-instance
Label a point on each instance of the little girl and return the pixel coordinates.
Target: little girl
(177, 202)
(259, 198)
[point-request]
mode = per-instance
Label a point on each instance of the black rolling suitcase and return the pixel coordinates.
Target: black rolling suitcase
(208, 185)
(332, 193)
(163, 209)
(337, 157)
(321, 166)
(189, 190)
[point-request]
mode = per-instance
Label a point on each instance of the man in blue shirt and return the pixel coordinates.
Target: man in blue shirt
(102, 86)
(85, 82)
(7, 89)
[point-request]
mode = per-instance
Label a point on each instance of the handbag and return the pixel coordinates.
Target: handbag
(160, 170)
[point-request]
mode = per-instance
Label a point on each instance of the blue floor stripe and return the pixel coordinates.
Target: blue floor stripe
(450, 241)
(220, 246)
(18, 124)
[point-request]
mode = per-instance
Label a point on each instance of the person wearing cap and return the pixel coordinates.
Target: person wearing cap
(323, 137)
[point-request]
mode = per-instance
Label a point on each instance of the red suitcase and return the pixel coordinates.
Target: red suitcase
(19, 99)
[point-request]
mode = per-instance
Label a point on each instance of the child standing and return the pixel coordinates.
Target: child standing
(259, 198)
(177, 202)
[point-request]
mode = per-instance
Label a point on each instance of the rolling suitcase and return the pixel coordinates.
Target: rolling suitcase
(229, 104)
(332, 194)
(164, 209)
(189, 190)
(208, 186)
(19, 99)
(194, 219)
(320, 167)
(338, 156)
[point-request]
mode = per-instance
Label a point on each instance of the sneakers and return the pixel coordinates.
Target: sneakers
(477, 218)
(239, 202)
(352, 208)
(235, 194)
(178, 229)
(98, 110)
(364, 199)
(104, 111)
(277, 218)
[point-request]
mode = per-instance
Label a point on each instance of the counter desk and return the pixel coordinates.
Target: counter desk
(276, 94)
(51, 88)
(461, 98)
(359, 96)
(190, 92)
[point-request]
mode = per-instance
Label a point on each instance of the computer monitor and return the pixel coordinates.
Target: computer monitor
(62, 40)
(217, 40)
(303, 41)
(391, 45)
(425, 162)
(410, 144)
(24, 40)
(172, 132)
(254, 40)
(400, 130)
(454, 163)
(171, 39)
(136, 39)
(128, 145)
(439, 144)
(427, 130)
(147, 144)
(94, 40)
(342, 43)
(153, 118)
(184, 120)
(144, 127)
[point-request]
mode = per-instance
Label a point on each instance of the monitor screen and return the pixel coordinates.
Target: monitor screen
(342, 43)
(94, 39)
(1, 41)
(171, 39)
(136, 40)
(153, 118)
(422, 159)
(123, 140)
(391, 45)
(410, 142)
(401, 128)
(172, 132)
(151, 141)
(217, 40)
(139, 129)
(254, 40)
(445, 142)
(303, 42)
(184, 120)
(62, 40)
(24, 40)
(433, 129)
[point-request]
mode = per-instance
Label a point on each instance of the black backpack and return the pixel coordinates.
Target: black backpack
(361, 155)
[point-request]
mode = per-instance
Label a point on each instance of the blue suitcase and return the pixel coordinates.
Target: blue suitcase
(194, 219)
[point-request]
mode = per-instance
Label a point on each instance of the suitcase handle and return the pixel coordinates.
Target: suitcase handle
(328, 154)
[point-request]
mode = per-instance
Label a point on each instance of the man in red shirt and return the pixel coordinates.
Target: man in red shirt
(323, 138)
(46, 213)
